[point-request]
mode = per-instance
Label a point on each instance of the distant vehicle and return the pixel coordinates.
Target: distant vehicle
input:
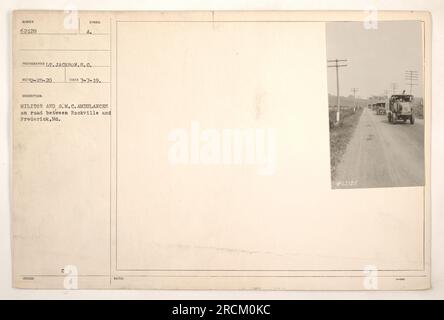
(381, 108)
(400, 108)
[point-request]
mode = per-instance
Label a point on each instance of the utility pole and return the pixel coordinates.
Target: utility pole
(354, 90)
(411, 76)
(337, 63)
(394, 86)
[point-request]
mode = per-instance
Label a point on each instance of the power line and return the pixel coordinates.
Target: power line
(412, 77)
(337, 63)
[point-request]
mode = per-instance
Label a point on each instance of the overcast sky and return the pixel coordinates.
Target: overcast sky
(376, 57)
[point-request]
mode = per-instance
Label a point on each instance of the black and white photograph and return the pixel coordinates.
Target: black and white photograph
(376, 104)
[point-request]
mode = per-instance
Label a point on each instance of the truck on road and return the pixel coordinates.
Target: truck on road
(400, 108)
(380, 108)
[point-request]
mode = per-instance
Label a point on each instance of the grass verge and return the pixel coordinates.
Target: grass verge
(340, 134)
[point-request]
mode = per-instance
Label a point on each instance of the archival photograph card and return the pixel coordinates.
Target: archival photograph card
(221, 150)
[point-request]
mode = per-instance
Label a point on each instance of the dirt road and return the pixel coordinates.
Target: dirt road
(381, 154)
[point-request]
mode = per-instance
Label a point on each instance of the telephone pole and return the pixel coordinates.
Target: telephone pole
(412, 77)
(354, 90)
(337, 63)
